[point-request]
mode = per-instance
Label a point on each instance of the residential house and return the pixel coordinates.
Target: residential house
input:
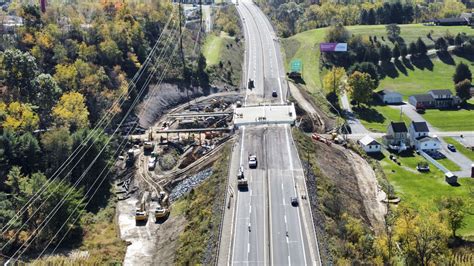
(451, 21)
(397, 136)
(427, 143)
(390, 97)
(370, 145)
(417, 130)
(435, 99)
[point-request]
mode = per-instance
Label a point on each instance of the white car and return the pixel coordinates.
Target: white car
(151, 163)
(252, 161)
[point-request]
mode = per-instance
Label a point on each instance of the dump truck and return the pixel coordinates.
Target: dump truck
(253, 161)
(241, 180)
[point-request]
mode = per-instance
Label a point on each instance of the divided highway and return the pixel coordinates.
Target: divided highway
(267, 229)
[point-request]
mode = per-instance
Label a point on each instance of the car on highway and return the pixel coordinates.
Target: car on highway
(151, 163)
(294, 201)
(274, 93)
(252, 161)
(451, 147)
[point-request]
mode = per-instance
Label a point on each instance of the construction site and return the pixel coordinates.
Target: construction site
(163, 163)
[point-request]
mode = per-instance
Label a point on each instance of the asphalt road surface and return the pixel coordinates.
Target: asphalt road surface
(268, 230)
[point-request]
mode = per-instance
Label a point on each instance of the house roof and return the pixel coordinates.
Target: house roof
(427, 138)
(441, 92)
(451, 20)
(399, 127)
(420, 126)
(423, 97)
(368, 140)
(387, 91)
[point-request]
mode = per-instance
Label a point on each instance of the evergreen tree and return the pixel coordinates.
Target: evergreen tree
(396, 51)
(421, 47)
(462, 72)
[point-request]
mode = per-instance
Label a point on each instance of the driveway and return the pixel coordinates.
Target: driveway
(456, 157)
(352, 121)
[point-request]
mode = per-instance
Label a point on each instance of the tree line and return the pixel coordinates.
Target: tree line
(59, 74)
(291, 17)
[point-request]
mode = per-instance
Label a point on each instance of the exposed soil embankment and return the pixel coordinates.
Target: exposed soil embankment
(165, 97)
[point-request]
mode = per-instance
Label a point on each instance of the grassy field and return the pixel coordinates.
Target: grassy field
(305, 46)
(460, 148)
(431, 74)
(213, 48)
(451, 120)
(377, 118)
(424, 189)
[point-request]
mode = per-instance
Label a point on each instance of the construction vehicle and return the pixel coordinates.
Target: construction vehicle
(242, 182)
(161, 212)
(148, 145)
(141, 214)
(321, 139)
(132, 156)
(252, 161)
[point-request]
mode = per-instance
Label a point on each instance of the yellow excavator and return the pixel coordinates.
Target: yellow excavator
(141, 213)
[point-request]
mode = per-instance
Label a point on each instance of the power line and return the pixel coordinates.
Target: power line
(92, 134)
(95, 159)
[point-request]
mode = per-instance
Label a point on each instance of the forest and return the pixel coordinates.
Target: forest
(66, 77)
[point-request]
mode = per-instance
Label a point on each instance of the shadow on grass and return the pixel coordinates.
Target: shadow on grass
(407, 153)
(401, 67)
(468, 106)
(454, 184)
(376, 155)
(467, 56)
(389, 69)
(299, 80)
(369, 114)
(422, 62)
(446, 58)
(408, 64)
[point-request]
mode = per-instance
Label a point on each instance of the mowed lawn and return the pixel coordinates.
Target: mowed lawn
(305, 46)
(451, 120)
(377, 118)
(425, 189)
(417, 80)
(212, 48)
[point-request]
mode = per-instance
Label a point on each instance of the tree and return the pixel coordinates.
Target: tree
(396, 51)
(463, 90)
(337, 33)
(459, 39)
(404, 51)
(110, 52)
(453, 210)
(441, 45)
(57, 145)
(47, 96)
(422, 237)
(412, 49)
(385, 53)
(421, 47)
(372, 20)
(334, 80)
(18, 70)
(364, 17)
(18, 117)
(361, 87)
(67, 77)
(393, 32)
(71, 111)
(366, 67)
(462, 72)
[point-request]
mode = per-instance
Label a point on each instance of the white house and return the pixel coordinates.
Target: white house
(369, 144)
(417, 130)
(390, 97)
(427, 143)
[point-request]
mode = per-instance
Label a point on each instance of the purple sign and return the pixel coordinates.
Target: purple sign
(333, 47)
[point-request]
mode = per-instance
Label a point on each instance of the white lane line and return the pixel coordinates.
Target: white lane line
(248, 247)
(293, 179)
(283, 200)
(250, 209)
(286, 222)
(242, 147)
(281, 186)
(289, 261)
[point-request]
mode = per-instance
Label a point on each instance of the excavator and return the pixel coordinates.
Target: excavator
(160, 211)
(141, 214)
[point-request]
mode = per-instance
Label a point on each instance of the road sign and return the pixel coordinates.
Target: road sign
(333, 47)
(296, 66)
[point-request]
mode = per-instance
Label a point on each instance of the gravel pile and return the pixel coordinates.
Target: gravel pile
(186, 185)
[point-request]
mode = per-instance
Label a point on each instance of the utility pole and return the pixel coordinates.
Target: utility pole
(181, 39)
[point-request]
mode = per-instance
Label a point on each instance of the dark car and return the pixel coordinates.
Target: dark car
(451, 147)
(294, 201)
(274, 93)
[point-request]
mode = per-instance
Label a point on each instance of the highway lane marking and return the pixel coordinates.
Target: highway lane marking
(293, 179)
(289, 261)
(285, 220)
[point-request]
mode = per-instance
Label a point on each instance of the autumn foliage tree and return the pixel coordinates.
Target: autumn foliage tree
(361, 86)
(71, 111)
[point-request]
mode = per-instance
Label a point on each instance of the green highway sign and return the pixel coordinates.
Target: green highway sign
(296, 66)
